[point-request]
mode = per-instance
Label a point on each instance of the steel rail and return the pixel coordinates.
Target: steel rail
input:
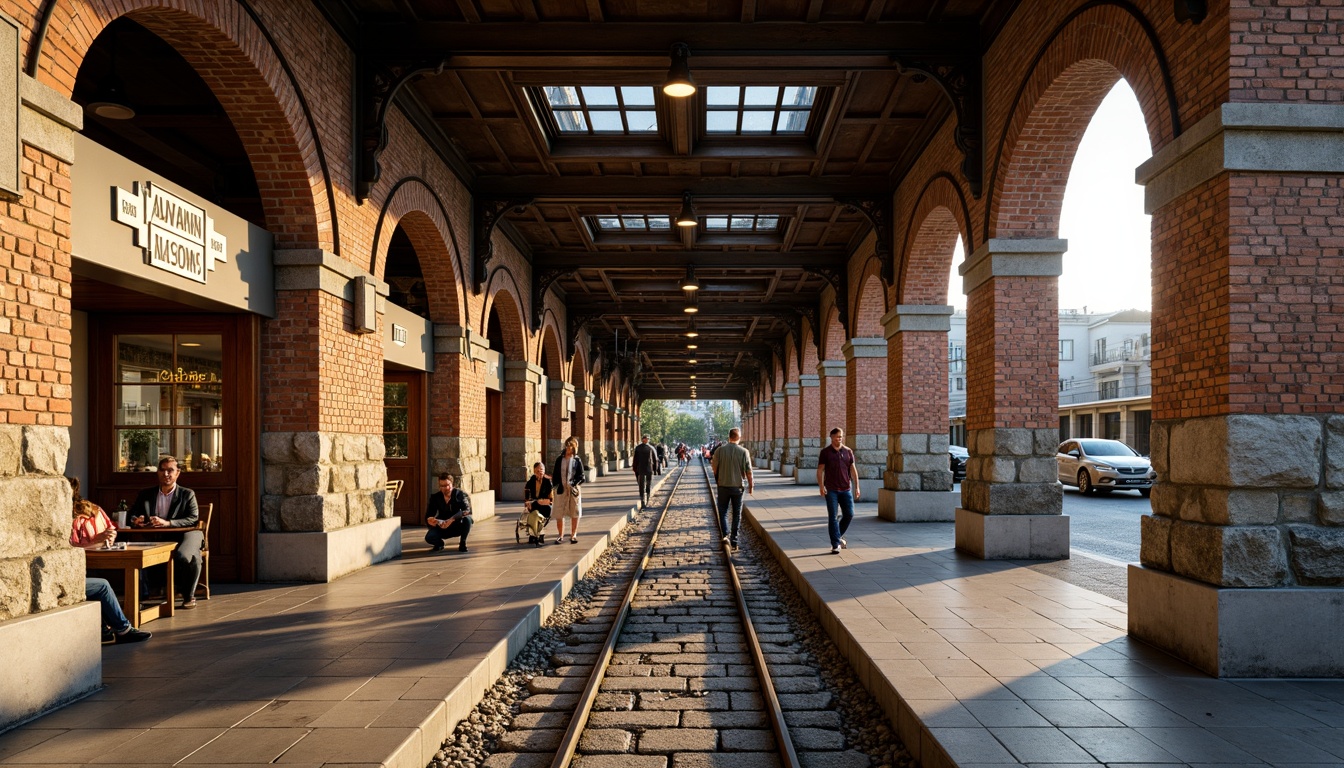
(569, 743)
(768, 695)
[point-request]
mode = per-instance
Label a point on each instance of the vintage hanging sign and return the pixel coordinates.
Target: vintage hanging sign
(176, 236)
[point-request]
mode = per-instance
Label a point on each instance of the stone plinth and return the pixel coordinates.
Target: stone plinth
(52, 658)
(322, 481)
(1012, 537)
(1011, 478)
(1229, 632)
(917, 506)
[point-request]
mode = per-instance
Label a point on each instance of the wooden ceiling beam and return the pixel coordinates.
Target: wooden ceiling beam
(650, 42)
(605, 189)
(745, 309)
(678, 260)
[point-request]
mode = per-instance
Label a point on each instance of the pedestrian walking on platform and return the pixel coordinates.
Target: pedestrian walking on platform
(645, 461)
(838, 483)
(732, 467)
(567, 475)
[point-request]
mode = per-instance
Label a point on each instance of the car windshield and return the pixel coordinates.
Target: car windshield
(1106, 448)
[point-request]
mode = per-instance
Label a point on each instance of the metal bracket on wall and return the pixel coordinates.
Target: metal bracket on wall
(577, 322)
(961, 79)
(877, 210)
(542, 280)
(377, 83)
(486, 213)
(839, 281)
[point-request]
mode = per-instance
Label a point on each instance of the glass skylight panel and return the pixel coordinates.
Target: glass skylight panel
(634, 223)
(758, 109)
(741, 224)
(604, 109)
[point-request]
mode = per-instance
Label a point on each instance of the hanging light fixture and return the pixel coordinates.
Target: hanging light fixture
(679, 84)
(109, 101)
(689, 283)
(690, 307)
(691, 333)
(692, 346)
(692, 359)
(687, 216)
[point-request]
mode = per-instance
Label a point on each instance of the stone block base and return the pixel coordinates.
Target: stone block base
(322, 556)
(869, 488)
(917, 506)
(1012, 537)
(804, 476)
(52, 657)
(612, 466)
(483, 505)
(1275, 632)
(787, 470)
(509, 491)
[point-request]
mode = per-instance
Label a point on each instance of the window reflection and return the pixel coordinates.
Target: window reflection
(169, 401)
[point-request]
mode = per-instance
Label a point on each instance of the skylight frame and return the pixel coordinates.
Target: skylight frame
(631, 224)
(740, 224)
(584, 108)
(749, 108)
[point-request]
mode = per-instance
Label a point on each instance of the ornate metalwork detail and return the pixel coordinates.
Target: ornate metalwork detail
(877, 211)
(379, 82)
(961, 80)
(1192, 11)
(577, 322)
(839, 281)
(485, 216)
(542, 280)
(812, 316)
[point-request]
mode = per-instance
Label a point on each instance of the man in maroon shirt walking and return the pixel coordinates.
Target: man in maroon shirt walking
(838, 482)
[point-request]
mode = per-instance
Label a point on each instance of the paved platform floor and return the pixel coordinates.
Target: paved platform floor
(983, 663)
(979, 663)
(373, 669)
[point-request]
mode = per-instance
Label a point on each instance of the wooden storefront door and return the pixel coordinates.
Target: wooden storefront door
(404, 418)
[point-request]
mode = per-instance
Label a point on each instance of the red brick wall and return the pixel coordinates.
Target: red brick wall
(35, 295)
(1012, 342)
(866, 391)
(917, 372)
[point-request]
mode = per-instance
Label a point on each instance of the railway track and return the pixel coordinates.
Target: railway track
(679, 661)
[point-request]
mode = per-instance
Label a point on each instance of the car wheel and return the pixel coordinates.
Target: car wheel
(1084, 482)
(1145, 492)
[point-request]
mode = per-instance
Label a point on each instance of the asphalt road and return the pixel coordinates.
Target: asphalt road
(1106, 525)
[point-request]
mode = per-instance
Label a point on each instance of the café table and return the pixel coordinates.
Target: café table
(137, 556)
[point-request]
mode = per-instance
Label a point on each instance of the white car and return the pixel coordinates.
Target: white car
(1102, 466)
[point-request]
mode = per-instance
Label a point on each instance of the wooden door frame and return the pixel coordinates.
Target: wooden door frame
(417, 438)
(242, 396)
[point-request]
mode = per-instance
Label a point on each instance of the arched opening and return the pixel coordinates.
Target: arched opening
(406, 381)
(494, 405)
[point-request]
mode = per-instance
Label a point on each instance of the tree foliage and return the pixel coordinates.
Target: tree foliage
(688, 429)
(654, 419)
(721, 420)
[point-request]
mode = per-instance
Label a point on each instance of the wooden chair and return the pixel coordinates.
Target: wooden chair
(204, 583)
(394, 488)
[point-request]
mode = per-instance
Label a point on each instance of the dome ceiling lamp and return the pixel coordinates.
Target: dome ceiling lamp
(679, 83)
(686, 218)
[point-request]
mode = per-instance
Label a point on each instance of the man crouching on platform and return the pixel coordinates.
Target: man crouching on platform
(169, 505)
(448, 515)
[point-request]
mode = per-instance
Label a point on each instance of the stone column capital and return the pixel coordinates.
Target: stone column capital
(792, 389)
(561, 386)
(1254, 138)
(917, 317)
(831, 369)
(1016, 257)
(454, 339)
(865, 347)
(521, 370)
(809, 380)
(778, 397)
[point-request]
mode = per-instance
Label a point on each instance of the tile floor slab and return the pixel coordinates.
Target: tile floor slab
(1040, 745)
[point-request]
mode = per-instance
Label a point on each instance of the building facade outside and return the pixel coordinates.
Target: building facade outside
(1105, 376)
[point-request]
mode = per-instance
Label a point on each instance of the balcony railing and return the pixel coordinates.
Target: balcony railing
(1074, 397)
(1135, 355)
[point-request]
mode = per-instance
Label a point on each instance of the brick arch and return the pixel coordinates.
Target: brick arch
(834, 340)
(240, 62)
(809, 364)
(413, 206)
(1078, 65)
(548, 346)
(870, 304)
(503, 302)
(790, 359)
(939, 216)
(578, 370)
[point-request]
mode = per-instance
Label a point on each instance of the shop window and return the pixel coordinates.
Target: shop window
(169, 401)
(1110, 426)
(1084, 425)
(396, 420)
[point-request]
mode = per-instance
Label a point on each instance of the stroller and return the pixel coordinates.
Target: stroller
(532, 525)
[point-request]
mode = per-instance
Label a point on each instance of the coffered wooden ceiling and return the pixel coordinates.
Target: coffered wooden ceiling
(592, 210)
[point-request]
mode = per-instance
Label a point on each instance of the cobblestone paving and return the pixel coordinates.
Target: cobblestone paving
(681, 690)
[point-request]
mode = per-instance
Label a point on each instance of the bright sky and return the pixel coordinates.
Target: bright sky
(1108, 264)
